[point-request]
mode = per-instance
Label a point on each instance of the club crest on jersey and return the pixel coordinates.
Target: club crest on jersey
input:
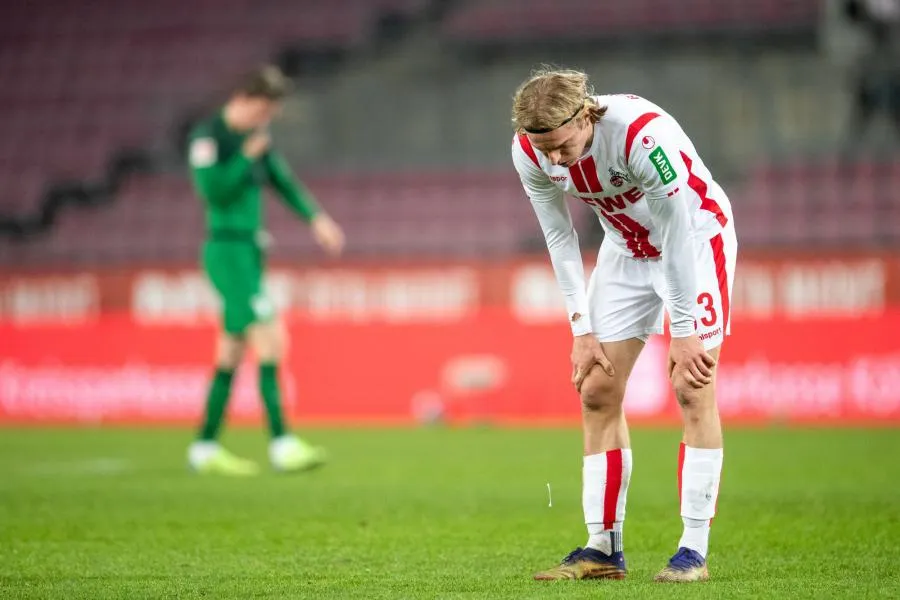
(648, 142)
(618, 178)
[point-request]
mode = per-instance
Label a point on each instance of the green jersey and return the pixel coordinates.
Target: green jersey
(230, 183)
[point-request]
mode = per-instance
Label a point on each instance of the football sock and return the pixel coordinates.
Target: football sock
(605, 488)
(698, 484)
(271, 395)
(216, 401)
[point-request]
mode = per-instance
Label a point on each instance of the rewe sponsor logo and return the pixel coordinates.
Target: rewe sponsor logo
(618, 202)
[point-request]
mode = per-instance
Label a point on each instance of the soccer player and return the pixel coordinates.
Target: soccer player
(669, 244)
(231, 159)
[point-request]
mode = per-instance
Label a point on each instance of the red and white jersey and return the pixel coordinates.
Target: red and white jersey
(650, 190)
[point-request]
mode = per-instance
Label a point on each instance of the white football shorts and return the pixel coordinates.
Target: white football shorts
(626, 295)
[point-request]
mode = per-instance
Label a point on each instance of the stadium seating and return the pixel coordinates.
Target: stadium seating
(92, 77)
(158, 219)
(522, 20)
(818, 202)
(478, 214)
(87, 78)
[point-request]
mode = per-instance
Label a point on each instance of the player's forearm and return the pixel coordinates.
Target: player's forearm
(681, 281)
(678, 262)
(292, 192)
(569, 270)
(565, 256)
(222, 183)
(555, 220)
(298, 198)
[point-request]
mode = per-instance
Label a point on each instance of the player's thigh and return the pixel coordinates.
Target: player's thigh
(623, 302)
(716, 260)
(235, 270)
(600, 389)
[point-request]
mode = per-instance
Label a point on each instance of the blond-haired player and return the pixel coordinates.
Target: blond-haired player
(670, 246)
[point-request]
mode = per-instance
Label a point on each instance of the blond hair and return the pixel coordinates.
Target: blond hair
(551, 97)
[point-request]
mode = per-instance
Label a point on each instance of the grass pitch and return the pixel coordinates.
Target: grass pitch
(438, 513)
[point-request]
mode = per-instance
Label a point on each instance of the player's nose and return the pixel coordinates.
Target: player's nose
(554, 157)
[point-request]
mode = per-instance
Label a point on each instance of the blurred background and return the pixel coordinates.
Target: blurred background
(400, 125)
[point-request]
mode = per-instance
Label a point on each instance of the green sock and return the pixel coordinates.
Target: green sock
(216, 401)
(271, 394)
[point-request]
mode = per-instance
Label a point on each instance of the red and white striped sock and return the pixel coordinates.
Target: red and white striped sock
(699, 472)
(604, 492)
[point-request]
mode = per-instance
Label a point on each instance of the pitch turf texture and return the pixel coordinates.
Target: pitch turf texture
(434, 513)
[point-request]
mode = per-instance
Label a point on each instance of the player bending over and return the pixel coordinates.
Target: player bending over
(669, 243)
(231, 159)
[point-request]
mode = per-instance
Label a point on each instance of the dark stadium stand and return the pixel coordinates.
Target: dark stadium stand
(517, 20)
(819, 202)
(88, 78)
(157, 219)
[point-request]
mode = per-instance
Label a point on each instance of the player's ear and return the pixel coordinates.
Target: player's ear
(588, 120)
(594, 113)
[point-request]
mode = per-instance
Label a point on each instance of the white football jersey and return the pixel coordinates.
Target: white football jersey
(650, 190)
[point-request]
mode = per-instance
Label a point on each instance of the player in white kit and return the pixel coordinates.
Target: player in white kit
(669, 246)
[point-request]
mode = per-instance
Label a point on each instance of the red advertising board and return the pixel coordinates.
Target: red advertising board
(489, 365)
(815, 339)
(766, 286)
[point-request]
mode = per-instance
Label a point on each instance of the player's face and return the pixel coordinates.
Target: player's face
(257, 113)
(261, 111)
(566, 144)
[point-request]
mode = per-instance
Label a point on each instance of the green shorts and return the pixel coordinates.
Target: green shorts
(236, 268)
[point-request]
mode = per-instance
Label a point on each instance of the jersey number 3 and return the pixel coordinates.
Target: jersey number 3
(706, 300)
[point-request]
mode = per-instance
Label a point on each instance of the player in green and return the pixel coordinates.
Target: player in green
(231, 160)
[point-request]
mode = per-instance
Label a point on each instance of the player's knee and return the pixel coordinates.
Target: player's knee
(690, 397)
(269, 342)
(229, 353)
(600, 392)
(269, 352)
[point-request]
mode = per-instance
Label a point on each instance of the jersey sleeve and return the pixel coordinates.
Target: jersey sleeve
(555, 220)
(654, 161)
(293, 193)
(218, 180)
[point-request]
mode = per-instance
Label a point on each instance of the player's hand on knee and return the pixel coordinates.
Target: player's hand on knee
(587, 352)
(688, 360)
